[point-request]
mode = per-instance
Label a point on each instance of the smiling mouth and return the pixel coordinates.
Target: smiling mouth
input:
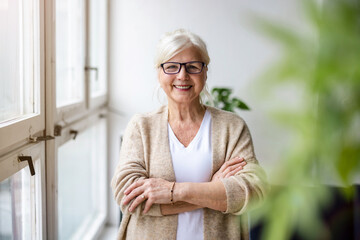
(183, 87)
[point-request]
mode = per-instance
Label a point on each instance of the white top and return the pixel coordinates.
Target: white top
(192, 164)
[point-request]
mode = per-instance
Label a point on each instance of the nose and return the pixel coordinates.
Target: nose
(183, 74)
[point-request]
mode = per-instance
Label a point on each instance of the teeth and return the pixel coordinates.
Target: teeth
(183, 87)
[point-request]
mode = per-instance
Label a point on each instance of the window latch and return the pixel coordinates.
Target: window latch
(75, 133)
(39, 139)
(30, 163)
(57, 130)
(88, 68)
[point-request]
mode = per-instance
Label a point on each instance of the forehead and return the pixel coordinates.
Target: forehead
(187, 55)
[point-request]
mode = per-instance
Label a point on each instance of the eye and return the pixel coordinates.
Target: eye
(171, 66)
(194, 66)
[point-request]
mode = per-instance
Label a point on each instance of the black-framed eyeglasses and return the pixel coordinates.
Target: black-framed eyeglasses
(193, 67)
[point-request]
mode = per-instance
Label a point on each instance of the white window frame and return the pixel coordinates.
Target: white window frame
(52, 190)
(98, 101)
(17, 131)
(72, 112)
(10, 165)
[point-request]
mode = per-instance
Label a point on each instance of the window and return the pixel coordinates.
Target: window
(77, 172)
(97, 48)
(18, 91)
(75, 99)
(22, 204)
(81, 57)
(21, 82)
(81, 181)
(70, 52)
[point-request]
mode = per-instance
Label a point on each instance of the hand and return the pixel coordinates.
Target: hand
(153, 190)
(229, 168)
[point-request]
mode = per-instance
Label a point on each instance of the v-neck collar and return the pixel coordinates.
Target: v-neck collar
(195, 139)
(215, 139)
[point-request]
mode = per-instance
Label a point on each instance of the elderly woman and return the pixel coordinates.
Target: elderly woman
(186, 171)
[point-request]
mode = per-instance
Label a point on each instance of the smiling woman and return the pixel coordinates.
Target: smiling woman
(183, 85)
(187, 169)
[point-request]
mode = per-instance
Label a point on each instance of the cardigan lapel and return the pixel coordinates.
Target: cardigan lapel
(164, 141)
(218, 157)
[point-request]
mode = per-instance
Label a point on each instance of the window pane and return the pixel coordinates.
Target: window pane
(19, 30)
(81, 182)
(17, 206)
(98, 36)
(70, 45)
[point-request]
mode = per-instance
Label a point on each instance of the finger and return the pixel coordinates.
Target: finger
(237, 160)
(232, 167)
(133, 194)
(133, 186)
(138, 200)
(233, 172)
(148, 205)
(231, 162)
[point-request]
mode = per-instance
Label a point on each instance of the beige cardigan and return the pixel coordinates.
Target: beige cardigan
(145, 153)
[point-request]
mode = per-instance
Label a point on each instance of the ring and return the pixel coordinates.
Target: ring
(142, 196)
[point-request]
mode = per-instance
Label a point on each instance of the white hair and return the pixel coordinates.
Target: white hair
(174, 42)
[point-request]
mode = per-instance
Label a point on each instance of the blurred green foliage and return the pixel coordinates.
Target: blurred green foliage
(224, 100)
(325, 67)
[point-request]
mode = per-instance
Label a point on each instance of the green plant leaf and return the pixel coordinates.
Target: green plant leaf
(223, 100)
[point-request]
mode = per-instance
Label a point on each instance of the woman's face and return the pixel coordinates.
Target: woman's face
(183, 88)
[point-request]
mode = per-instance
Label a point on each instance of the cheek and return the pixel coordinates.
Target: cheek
(205, 75)
(203, 80)
(164, 82)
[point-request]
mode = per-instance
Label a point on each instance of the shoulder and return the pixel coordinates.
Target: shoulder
(144, 119)
(225, 117)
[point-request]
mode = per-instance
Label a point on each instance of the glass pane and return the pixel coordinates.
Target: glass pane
(17, 206)
(81, 181)
(19, 59)
(98, 37)
(70, 45)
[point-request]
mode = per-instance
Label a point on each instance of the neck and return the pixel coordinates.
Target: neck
(186, 112)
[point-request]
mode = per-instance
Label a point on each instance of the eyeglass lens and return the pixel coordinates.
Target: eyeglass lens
(190, 67)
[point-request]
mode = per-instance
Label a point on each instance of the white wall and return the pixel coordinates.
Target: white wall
(238, 55)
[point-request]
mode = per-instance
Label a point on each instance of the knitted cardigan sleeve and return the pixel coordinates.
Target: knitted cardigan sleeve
(249, 186)
(131, 167)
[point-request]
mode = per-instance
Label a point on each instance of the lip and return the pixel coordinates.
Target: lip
(182, 87)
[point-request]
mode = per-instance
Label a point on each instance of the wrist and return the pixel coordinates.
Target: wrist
(179, 192)
(172, 193)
